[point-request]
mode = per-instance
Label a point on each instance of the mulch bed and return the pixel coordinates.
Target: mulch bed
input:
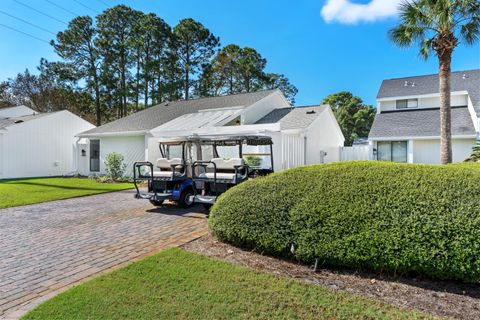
(441, 298)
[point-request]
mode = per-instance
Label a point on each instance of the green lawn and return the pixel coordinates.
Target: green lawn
(20, 192)
(176, 284)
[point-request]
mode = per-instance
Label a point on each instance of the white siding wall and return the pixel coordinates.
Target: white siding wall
(263, 107)
(430, 102)
(153, 150)
(131, 147)
(357, 153)
(293, 150)
(323, 135)
(428, 151)
(42, 147)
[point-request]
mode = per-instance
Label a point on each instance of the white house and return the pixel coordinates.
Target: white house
(407, 125)
(36, 144)
(301, 135)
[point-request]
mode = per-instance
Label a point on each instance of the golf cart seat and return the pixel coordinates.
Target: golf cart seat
(169, 168)
(225, 169)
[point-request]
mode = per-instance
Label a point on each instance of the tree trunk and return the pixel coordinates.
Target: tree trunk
(97, 103)
(187, 84)
(146, 93)
(187, 72)
(445, 111)
(137, 81)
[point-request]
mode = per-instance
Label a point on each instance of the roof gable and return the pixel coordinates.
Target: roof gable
(17, 111)
(422, 85)
(293, 118)
(7, 122)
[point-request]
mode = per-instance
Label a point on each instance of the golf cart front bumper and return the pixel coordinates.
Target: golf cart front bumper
(154, 197)
(203, 199)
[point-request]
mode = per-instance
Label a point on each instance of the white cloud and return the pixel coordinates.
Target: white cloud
(345, 11)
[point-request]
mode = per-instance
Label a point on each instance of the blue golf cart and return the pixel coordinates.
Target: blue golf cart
(169, 178)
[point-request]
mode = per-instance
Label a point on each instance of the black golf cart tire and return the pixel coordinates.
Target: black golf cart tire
(156, 203)
(182, 201)
(207, 206)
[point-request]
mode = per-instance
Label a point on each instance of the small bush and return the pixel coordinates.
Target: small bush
(253, 161)
(475, 156)
(399, 218)
(114, 166)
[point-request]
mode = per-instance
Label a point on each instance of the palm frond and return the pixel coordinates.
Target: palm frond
(470, 32)
(406, 35)
(426, 48)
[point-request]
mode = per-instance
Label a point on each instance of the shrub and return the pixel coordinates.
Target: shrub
(253, 161)
(475, 156)
(400, 218)
(114, 165)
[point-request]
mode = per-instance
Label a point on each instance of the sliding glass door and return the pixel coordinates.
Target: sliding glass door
(395, 151)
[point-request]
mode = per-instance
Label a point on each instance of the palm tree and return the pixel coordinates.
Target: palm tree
(438, 26)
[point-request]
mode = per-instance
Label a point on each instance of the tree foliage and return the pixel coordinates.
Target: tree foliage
(354, 118)
(125, 60)
(235, 70)
(194, 45)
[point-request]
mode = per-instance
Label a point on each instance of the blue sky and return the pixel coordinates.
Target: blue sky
(320, 57)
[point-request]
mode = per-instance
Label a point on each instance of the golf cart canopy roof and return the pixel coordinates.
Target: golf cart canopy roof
(251, 140)
(173, 140)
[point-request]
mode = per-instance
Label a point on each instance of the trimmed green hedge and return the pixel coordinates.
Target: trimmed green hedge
(399, 218)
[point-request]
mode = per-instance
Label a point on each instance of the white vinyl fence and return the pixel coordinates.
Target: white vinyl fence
(356, 153)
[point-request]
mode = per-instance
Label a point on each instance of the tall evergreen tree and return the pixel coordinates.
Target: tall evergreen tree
(251, 67)
(194, 45)
(76, 45)
(279, 81)
(151, 41)
(116, 36)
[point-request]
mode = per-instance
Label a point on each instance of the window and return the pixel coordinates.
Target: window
(395, 151)
(407, 103)
(94, 155)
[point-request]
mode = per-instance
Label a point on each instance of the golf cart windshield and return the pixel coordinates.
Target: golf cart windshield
(256, 151)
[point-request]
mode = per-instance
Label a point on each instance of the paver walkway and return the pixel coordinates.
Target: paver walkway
(46, 248)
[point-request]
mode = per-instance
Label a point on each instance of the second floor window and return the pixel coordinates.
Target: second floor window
(407, 103)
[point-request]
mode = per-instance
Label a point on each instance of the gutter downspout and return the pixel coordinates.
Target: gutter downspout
(75, 167)
(305, 150)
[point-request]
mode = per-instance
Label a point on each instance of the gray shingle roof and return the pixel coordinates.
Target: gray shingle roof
(6, 122)
(293, 118)
(301, 117)
(419, 123)
(157, 115)
(429, 85)
(274, 116)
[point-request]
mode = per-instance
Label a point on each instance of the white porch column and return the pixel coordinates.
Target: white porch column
(410, 151)
(146, 146)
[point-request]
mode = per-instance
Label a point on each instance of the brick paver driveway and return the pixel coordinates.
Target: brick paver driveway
(45, 248)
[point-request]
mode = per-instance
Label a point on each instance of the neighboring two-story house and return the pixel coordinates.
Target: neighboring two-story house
(407, 125)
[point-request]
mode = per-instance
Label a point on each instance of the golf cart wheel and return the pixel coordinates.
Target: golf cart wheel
(207, 206)
(156, 203)
(184, 201)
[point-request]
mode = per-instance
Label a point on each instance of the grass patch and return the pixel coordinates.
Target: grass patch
(176, 284)
(19, 192)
